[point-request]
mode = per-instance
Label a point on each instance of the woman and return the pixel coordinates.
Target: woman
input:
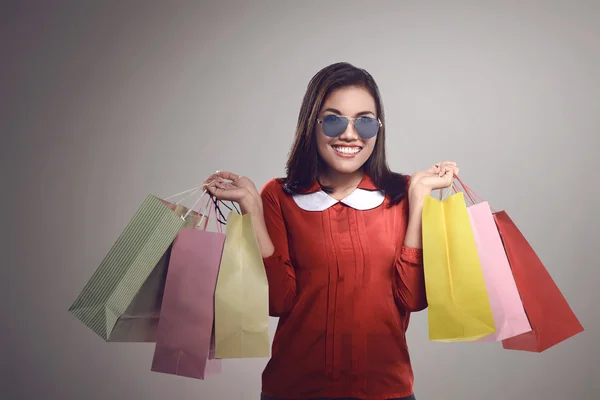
(341, 240)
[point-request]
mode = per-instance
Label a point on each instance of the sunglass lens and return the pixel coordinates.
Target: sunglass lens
(366, 127)
(334, 125)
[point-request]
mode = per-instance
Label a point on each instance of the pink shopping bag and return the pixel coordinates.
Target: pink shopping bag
(507, 308)
(185, 343)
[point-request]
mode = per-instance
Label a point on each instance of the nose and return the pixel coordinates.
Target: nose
(350, 133)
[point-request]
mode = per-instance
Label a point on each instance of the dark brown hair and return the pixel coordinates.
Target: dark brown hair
(304, 162)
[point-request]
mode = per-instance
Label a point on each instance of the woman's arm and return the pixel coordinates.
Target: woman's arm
(414, 233)
(270, 230)
(409, 282)
(255, 209)
(271, 233)
(409, 285)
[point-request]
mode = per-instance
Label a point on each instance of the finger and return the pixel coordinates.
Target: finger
(448, 177)
(225, 185)
(444, 164)
(226, 189)
(448, 163)
(450, 168)
(221, 192)
(210, 179)
(208, 183)
(435, 169)
(438, 168)
(227, 175)
(449, 173)
(453, 169)
(443, 170)
(217, 192)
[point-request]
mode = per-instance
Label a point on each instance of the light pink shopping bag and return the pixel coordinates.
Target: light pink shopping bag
(185, 343)
(507, 309)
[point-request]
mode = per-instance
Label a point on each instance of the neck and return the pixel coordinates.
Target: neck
(342, 184)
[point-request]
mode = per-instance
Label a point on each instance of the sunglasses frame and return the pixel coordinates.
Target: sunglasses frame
(350, 120)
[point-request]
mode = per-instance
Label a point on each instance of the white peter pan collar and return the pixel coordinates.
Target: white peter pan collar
(359, 199)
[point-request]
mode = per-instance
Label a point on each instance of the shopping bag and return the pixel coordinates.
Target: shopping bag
(507, 309)
(458, 304)
(185, 334)
(551, 318)
(121, 301)
(242, 294)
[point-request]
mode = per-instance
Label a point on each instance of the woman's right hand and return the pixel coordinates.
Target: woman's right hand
(233, 187)
(229, 186)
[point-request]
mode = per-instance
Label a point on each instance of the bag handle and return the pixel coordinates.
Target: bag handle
(230, 209)
(465, 190)
(450, 188)
(194, 206)
(191, 192)
(211, 207)
(214, 204)
(472, 196)
(204, 211)
(218, 209)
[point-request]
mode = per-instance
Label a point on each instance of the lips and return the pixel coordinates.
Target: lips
(347, 151)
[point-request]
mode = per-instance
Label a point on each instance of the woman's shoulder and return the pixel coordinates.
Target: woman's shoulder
(273, 187)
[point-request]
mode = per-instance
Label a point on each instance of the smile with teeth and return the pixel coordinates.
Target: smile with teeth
(347, 149)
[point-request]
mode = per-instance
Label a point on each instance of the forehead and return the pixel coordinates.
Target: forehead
(350, 100)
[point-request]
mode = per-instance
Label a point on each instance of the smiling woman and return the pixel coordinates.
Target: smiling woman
(340, 237)
(341, 111)
(344, 150)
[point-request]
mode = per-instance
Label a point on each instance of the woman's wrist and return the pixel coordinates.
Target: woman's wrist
(251, 204)
(416, 197)
(417, 193)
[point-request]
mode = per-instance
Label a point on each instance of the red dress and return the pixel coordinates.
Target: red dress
(343, 285)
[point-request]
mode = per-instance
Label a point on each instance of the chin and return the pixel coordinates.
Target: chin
(345, 167)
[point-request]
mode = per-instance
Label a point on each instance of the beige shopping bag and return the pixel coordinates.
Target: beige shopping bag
(242, 294)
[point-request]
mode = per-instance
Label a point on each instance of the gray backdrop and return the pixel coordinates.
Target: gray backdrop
(104, 102)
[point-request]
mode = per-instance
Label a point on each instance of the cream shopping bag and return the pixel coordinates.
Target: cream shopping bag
(242, 294)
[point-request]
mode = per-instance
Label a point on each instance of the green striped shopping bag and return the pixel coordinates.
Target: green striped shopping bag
(121, 301)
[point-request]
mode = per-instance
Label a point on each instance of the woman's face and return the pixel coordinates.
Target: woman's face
(346, 153)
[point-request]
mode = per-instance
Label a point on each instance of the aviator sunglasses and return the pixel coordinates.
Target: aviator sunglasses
(335, 125)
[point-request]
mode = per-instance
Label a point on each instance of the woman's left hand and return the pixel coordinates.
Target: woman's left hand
(439, 176)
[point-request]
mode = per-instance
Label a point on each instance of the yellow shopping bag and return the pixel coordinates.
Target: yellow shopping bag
(242, 294)
(458, 306)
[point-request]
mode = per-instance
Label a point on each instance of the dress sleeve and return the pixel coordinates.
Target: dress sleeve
(409, 279)
(280, 272)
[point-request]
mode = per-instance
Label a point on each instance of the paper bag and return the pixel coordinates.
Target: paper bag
(186, 327)
(242, 294)
(458, 304)
(551, 318)
(121, 301)
(507, 309)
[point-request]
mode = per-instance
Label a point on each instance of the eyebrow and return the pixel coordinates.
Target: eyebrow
(360, 114)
